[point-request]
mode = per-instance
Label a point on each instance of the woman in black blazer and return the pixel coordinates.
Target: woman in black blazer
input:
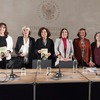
(46, 44)
(25, 47)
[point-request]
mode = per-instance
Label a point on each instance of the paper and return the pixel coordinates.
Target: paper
(94, 69)
(21, 49)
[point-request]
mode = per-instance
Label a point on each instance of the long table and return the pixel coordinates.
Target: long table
(18, 88)
(72, 86)
(34, 86)
(94, 84)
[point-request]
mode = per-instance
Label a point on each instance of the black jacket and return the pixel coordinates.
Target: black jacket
(19, 43)
(49, 45)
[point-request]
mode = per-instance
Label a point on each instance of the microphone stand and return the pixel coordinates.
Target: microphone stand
(58, 74)
(12, 75)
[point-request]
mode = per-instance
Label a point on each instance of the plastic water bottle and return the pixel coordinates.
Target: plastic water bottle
(75, 65)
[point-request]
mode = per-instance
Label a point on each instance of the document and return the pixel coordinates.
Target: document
(94, 69)
(21, 49)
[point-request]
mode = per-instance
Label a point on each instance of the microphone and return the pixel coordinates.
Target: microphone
(10, 65)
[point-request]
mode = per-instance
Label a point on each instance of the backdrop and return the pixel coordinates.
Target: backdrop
(53, 14)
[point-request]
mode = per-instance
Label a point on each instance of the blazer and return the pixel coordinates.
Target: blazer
(20, 42)
(59, 49)
(49, 45)
(77, 50)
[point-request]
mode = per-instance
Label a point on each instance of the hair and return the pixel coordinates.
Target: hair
(95, 36)
(6, 31)
(44, 28)
(26, 27)
(62, 31)
(81, 29)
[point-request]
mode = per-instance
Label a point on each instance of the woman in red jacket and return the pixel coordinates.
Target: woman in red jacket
(82, 49)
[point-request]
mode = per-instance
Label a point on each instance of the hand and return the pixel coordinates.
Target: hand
(7, 54)
(91, 64)
(22, 55)
(60, 57)
(48, 54)
(39, 51)
(66, 59)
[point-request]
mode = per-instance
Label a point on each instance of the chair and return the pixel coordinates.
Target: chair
(44, 63)
(66, 64)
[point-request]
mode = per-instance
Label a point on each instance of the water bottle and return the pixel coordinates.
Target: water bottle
(75, 65)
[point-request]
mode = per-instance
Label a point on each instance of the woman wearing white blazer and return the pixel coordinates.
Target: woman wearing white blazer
(6, 46)
(63, 47)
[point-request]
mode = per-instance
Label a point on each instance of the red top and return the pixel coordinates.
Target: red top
(65, 44)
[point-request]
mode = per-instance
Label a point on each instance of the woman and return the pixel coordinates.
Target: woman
(82, 49)
(25, 47)
(63, 47)
(96, 50)
(45, 45)
(6, 45)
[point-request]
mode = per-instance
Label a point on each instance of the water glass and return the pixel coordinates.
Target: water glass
(23, 71)
(38, 66)
(48, 71)
(75, 63)
(84, 70)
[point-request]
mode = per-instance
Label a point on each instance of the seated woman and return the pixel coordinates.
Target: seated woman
(63, 47)
(45, 45)
(96, 50)
(82, 49)
(25, 47)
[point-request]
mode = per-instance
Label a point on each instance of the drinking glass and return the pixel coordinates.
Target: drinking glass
(84, 70)
(38, 66)
(48, 71)
(23, 71)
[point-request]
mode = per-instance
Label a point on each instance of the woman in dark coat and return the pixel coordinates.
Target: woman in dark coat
(25, 47)
(44, 42)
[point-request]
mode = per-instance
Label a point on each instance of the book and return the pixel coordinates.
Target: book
(21, 49)
(3, 51)
(44, 53)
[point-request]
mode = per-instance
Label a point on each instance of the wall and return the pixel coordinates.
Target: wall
(54, 14)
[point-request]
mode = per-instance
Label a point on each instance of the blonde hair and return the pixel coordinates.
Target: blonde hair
(26, 27)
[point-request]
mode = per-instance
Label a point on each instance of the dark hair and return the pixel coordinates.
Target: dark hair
(81, 29)
(6, 31)
(42, 28)
(62, 31)
(95, 36)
